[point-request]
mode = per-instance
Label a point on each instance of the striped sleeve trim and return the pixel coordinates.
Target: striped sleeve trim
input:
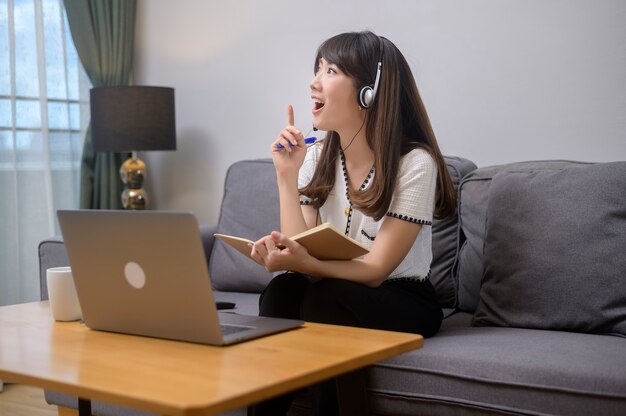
(409, 219)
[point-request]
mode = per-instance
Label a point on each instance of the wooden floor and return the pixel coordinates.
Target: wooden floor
(21, 400)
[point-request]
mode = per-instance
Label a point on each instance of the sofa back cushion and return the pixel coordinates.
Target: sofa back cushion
(554, 250)
(474, 192)
(250, 209)
(445, 240)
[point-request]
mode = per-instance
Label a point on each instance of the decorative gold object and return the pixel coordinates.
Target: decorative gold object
(133, 172)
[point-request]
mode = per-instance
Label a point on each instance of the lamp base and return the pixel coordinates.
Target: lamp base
(133, 172)
(134, 198)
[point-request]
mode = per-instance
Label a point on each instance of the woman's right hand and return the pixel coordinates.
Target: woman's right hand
(289, 158)
(277, 252)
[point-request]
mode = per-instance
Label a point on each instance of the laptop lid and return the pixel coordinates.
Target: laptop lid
(145, 273)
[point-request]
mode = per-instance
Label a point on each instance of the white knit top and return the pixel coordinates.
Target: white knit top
(413, 201)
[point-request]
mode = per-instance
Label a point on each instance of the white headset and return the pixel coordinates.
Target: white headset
(367, 93)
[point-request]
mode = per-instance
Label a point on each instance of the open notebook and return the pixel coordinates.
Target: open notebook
(323, 242)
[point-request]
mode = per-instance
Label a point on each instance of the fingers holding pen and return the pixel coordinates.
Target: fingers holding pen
(289, 138)
(258, 253)
(262, 251)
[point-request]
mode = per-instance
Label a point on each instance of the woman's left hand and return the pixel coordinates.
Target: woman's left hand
(277, 252)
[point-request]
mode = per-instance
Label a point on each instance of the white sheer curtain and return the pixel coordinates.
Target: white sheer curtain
(43, 112)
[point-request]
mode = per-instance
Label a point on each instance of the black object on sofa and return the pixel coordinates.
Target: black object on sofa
(535, 257)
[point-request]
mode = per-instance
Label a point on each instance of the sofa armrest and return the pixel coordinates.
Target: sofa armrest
(208, 239)
(52, 253)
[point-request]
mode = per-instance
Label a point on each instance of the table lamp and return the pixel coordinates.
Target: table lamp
(129, 119)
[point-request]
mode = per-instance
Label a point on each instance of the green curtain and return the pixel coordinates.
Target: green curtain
(104, 34)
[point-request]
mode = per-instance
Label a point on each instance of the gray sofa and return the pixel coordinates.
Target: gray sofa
(532, 276)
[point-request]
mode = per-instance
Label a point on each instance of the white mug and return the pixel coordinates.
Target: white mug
(62, 294)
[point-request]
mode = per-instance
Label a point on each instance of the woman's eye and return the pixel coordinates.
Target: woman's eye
(331, 71)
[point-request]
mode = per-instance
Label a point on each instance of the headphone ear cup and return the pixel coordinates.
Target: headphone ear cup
(366, 96)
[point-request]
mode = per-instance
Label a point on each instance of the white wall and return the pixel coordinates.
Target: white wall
(503, 80)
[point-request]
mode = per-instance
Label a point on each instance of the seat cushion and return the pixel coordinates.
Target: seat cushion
(484, 370)
(245, 303)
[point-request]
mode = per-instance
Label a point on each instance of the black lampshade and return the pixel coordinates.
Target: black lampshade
(125, 119)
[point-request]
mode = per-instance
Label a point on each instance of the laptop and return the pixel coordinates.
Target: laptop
(145, 273)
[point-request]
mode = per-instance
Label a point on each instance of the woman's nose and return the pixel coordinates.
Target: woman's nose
(315, 83)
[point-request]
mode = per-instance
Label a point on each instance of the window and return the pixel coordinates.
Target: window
(43, 113)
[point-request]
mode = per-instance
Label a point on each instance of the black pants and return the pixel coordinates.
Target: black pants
(400, 305)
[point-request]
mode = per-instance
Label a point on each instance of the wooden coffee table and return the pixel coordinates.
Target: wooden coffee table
(179, 378)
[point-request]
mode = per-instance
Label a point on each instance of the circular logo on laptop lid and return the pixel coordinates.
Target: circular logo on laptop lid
(135, 275)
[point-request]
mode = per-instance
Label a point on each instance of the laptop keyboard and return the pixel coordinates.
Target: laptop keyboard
(233, 329)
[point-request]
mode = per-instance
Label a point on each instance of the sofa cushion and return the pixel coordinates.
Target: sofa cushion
(466, 370)
(554, 250)
(445, 240)
(245, 303)
(249, 209)
(473, 199)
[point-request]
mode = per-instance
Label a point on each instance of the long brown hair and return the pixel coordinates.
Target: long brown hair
(395, 124)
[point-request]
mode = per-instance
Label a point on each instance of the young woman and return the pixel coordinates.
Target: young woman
(379, 176)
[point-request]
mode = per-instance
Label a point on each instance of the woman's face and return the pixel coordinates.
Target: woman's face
(334, 96)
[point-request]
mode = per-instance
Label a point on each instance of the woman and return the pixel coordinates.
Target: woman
(379, 176)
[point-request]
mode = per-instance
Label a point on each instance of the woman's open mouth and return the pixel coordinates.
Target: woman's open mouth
(317, 107)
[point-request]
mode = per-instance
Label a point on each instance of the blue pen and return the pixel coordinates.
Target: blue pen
(308, 140)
